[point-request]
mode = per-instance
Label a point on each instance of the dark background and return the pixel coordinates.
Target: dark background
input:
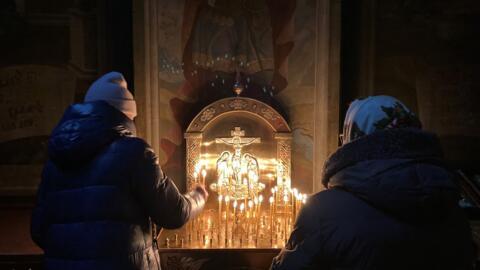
(426, 53)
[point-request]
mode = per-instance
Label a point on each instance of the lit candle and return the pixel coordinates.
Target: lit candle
(204, 174)
(220, 200)
(259, 206)
(195, 177)
(274, 195)
(219, 185)
(227, 204)
(285, 200)
(234, 221)
(271, 219)
(242, 207)
(249, 220)
(299, 201)
(294, 203)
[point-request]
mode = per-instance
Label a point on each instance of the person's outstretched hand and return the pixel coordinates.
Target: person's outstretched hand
(202, 190)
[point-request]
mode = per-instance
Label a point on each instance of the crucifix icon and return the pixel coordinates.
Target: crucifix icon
(238, 140)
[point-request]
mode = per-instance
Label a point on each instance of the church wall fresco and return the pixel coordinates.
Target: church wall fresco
(205, 46)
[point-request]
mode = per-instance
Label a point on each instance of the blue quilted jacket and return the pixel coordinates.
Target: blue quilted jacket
(100, 190)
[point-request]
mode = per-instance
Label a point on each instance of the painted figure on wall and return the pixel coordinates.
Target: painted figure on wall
(222, 39)
(231, 36)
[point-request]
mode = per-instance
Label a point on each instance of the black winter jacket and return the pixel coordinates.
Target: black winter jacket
(390, 204)
(99, 191)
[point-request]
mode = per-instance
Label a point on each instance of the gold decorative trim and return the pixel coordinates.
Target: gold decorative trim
(194, 143)
(284, 152)
(236, 104)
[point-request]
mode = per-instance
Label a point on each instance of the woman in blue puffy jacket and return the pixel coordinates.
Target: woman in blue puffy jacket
(102, 188)
(390, 202)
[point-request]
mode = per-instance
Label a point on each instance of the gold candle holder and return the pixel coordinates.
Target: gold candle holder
(245, 226)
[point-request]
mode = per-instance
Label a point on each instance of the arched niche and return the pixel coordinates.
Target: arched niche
(254, 119)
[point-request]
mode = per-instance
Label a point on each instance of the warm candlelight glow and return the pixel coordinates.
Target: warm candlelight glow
(245, 223)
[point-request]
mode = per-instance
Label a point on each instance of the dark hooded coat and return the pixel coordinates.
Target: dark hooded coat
(390, 204)
(100, 189)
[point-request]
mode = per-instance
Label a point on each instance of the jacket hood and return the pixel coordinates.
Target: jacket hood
(84, 130)
(399, 171)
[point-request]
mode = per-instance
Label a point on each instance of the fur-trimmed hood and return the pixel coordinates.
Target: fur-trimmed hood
(397, 170)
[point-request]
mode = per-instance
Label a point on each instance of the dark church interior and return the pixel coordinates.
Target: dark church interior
(276, 79)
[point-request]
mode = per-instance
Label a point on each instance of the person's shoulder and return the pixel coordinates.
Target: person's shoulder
(327, 195)
(133, 145)
(327, 200)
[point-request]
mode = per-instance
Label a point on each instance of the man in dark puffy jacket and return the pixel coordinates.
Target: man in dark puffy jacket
(102, 187)
(390, 203)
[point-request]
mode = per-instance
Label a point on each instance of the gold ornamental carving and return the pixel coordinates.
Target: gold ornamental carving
(207, 114)
(238, 104)
(193, 143)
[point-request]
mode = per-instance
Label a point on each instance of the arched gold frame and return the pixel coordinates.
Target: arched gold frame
(280, 127)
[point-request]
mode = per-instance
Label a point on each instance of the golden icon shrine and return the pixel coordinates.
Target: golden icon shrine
(240, 148)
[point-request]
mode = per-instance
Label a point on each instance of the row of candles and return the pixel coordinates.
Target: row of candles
(243, 223)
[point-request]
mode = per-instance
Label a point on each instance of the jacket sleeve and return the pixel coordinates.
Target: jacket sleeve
(304, 245)
(38, 222)
(159, 196)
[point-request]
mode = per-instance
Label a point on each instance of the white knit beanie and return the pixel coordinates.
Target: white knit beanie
(112, 88)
